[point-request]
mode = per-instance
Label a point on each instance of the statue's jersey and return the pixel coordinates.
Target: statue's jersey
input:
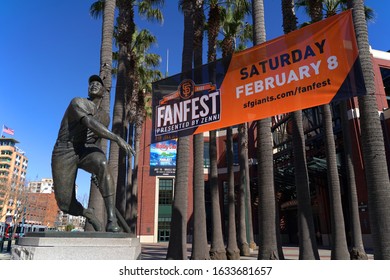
(72, 130)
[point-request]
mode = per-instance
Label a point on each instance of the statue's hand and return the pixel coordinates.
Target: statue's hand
(125, 146)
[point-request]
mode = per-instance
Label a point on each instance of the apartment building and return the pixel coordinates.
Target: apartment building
(13, 169)
(43, 186)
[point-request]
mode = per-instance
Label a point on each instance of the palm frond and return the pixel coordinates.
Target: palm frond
(96, 9)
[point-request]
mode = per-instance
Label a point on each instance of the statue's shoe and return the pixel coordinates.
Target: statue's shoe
(112, 226)
(92, 219)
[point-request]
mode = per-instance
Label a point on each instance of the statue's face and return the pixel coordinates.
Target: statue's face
(95, 89)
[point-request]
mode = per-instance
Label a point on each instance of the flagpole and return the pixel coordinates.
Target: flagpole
(2, 130)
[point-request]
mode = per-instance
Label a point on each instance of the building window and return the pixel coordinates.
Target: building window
(385, 72)
(165, 191)
(164, 229)
(5, 166)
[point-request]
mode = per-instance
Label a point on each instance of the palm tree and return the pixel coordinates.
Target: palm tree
(144, 73)
(118, 159)
(217, 249)
(267, 228)
(177, 248)
(232, 250)
(332, 7)
(339, 240)
(244, 183)
(377, 177)
(126, 68)
(95, 199)
(244, 33)
(357, 251)
(130, 93)
(200, 249)
(248, 195)
(307, 245)
(233, 27)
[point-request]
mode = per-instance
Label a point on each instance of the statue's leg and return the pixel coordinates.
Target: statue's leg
(95, 162)
(64, 171)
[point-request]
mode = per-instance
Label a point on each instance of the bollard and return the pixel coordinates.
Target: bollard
(1, 245)
(9, 245)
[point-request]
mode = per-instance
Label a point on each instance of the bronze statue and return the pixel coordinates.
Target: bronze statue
(83, 125)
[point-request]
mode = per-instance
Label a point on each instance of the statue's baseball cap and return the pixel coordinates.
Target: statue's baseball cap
(95, 78)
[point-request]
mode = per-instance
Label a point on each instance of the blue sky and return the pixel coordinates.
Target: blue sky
(50, 48)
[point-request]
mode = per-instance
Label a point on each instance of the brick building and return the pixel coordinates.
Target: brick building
(41, 209)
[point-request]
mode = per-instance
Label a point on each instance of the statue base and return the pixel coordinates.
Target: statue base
(77, 246)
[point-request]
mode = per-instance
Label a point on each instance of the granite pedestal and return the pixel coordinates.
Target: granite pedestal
(77, 246)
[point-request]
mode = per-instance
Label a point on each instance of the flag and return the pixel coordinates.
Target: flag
(8, 130)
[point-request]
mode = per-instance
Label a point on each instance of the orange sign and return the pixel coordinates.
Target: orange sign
(305, 68)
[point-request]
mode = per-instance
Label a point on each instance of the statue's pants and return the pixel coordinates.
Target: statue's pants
(66, 160)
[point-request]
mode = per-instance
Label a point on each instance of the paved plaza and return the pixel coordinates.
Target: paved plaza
(158, 251)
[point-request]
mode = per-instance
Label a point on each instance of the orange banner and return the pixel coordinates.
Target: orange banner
(305, 68)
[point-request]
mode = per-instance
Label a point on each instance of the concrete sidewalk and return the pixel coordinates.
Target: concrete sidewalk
(158, 251)
(5, 256)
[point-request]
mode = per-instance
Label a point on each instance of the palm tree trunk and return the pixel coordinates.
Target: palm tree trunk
(267, 229)
(177, 248)
(242, 224)
(251, 239)
(233, 253)
(278, 234)
(118, 127)
(307, 243)
(200, 249)
(129, 174)
(377, 177)
(132, 203)
(267, 226)
(95, 199)
(118, 159)
(357, 251)
(132, 197)
(339, 240)
(217, 249)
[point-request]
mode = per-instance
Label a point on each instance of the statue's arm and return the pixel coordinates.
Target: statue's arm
(100, 130)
